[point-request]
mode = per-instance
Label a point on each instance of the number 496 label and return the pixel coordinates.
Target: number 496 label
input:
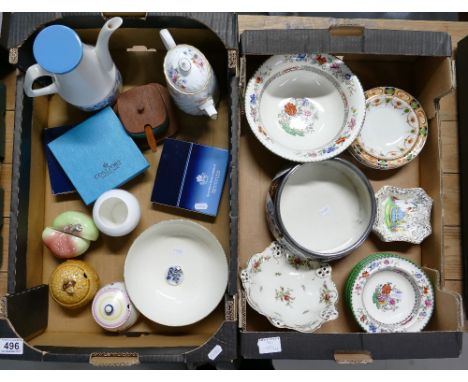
(11, 346)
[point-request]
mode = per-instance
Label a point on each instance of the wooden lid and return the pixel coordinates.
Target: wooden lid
(141, 106)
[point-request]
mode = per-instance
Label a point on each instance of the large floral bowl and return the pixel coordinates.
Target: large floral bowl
(291, 292)
(305, 107)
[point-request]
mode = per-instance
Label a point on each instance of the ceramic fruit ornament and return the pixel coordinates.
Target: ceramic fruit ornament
(112, 308)
(292, 292)
(83, 75)
(190, 78)
(70, 234)
(394, 131)
(73, 284)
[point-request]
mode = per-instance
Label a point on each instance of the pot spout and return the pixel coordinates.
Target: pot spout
(102, 44)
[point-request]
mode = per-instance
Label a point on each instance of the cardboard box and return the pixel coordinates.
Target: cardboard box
(415, 61)
(419, 62)
(50, 332)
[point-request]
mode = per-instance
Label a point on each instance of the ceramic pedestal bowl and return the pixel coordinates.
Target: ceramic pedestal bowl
(321, 210)
(305, 107)
(176, 272)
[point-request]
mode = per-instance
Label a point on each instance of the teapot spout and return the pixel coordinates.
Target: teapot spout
(102, 44)
(209, 108)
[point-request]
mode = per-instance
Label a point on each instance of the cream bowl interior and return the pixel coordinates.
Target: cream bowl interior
(202, 265)
(324, 113)
(326, 207)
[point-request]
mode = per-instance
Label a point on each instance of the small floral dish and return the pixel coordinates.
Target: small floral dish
(394, 132)
(387, 293)
(305, 107)
(176, 272)
(291, 292)
(403, 214)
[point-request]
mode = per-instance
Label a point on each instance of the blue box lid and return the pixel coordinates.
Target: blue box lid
(190, 176)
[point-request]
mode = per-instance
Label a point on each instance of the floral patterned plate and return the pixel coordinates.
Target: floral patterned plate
(394, 131)
(305, 107)
(388, 293)
(291, 292)
(403, 214)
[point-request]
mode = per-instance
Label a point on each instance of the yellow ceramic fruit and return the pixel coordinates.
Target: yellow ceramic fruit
(73, 284)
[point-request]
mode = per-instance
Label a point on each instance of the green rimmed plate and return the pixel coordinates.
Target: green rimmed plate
(388, 293)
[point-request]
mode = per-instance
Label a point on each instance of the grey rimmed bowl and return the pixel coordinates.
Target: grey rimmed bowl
(322, 210)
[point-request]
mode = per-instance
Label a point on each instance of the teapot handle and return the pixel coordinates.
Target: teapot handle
(32, 74)
(167, 39)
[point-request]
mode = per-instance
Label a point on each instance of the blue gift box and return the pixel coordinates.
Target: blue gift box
(98, 155)
(190, 176)
(59, 181)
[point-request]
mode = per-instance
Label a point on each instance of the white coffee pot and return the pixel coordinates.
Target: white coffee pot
(83, 75)
(190, 78)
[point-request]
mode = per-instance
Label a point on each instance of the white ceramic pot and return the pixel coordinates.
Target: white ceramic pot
(321, 210)
(116, 213)
(190, 78)
(83, 75)
(112, 308)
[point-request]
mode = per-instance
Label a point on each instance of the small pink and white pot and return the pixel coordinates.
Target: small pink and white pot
(112, 308)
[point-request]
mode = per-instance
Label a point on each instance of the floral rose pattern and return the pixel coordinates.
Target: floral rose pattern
(298, 117)
(285, 295)
(386, 297)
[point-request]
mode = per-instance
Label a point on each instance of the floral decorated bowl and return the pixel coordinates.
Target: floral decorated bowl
(394, 132)
(403, 214)
(305, 107)
(291, 292)
(388, 293)
(176, 272)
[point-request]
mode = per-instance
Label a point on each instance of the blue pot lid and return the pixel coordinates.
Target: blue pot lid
(58, 49)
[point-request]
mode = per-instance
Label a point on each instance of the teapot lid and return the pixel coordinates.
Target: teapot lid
(58, 49)
(186, 68)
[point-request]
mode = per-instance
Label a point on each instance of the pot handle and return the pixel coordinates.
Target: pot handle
(167, 39)
(32, 74)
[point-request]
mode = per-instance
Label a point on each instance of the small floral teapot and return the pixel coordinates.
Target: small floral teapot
(190, 78)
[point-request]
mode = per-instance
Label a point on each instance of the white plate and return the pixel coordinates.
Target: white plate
(291, 292)
(388, 293)
(305, 107)
(394, 132)
(157, 287)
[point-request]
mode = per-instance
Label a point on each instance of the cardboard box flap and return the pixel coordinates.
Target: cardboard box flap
(22, 25)
(348, 40)
(461, 64)
(22, 307)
